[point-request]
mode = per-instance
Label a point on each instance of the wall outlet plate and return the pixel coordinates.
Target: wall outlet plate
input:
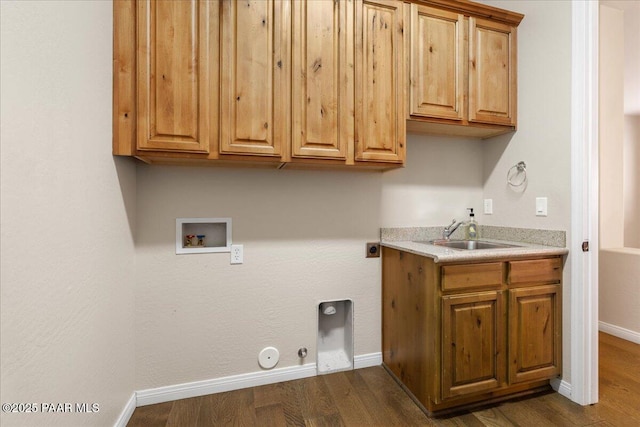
(373, 250)
(237, 254)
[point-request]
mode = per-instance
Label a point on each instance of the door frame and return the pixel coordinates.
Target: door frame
(583, 388)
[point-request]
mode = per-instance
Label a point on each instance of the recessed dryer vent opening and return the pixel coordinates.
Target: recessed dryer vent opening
(335, 336)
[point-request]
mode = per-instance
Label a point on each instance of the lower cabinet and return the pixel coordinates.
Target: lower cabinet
(472, 343)
(534, 333)
(458, 334)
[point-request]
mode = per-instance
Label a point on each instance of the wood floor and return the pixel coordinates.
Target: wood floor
(370, 397)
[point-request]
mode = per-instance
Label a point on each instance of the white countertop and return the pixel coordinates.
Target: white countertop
(442, 254)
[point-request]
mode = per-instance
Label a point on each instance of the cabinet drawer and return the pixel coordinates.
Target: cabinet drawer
(535, 271)
(456, 277)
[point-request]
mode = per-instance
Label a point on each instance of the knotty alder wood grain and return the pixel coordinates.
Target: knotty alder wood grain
(535, 271)
(173, 75)
(469, 276)
(369, 397)
(472, 343)
(462, 69)
(492, 72)
(380, 118)
(260, 82)
(534, 332)
(252, 109)
(411, 317)
(322, 79)
(307, 83)
(447, 336)
(124, 78)
(438, 50)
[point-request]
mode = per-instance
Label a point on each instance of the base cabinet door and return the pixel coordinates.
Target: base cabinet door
(472, 343)
(534, 333)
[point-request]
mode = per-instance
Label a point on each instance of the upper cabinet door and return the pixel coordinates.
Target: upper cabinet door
(380, 111)
(438, 52)
(492, 72)
(175, 81)
(252, 108)
(322, 78)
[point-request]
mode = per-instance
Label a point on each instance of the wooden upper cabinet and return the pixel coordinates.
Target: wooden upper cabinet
(176, 82)
(462, 69)
(380, 111)
(322, 78)
(492, 72)
(252, 108)
(437, 64)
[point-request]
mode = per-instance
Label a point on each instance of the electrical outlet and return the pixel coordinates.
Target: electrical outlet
(373, 250)
(237, 254)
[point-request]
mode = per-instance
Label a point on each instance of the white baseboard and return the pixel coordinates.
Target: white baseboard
(619, 332)
(126, 413)
(367, 360)
(236, 382)
(562, 387)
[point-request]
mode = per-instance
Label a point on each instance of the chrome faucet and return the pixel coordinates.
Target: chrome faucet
(449, 229)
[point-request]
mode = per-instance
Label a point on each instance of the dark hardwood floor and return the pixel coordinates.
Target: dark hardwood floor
(370, 397)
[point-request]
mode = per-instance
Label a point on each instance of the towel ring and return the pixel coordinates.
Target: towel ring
(519, 169)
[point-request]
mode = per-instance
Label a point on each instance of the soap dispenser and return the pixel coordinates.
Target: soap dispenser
(471, 229)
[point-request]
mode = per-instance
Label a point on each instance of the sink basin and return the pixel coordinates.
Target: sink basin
(468, 244)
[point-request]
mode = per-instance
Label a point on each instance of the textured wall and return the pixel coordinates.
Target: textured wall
(631, 159)
(67, 252)
(611, 127)
(619, 282)
(543, 139)
(304, 235)
(620, 289)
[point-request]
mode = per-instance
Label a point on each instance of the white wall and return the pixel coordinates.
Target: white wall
(611, 127)
(631, 186)
(67, 252)
(619, 178)
(542, 140)
(304, 235)
(619, 292)
(442, 178)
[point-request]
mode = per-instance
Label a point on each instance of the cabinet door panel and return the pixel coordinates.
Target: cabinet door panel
(250, 77)
(174, 78)
(438, 49)
(473, 341)
(322, 84)
(380, 118)
(534, 333)
(492, 72)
